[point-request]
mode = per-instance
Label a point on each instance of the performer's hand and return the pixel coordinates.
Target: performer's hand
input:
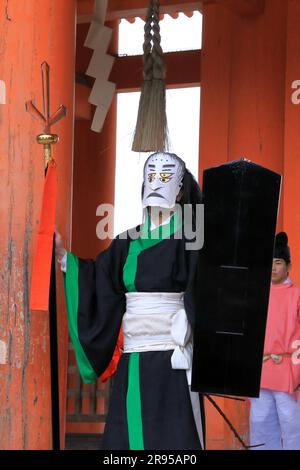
(60, 250)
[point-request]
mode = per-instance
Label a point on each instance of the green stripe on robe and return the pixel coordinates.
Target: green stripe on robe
(133, 404)
(72, 300)
(133, 398)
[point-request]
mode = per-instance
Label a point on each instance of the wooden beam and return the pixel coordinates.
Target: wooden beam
(246, 8)
(118, 9)
(183, 70)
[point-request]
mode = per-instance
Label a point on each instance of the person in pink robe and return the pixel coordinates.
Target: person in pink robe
(275, 415)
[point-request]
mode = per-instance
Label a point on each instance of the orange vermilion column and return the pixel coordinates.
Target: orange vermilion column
(31, 32)
(291, 193)
(243, 115)
(94, 184)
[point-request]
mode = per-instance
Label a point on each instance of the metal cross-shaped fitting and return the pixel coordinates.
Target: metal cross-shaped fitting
(47, 139)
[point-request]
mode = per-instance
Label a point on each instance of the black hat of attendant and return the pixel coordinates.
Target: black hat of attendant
(282, 250)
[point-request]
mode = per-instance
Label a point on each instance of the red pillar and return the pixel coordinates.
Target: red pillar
(94, 184)
(31, 32)
(291, 193)
(242, 114)
(94, 162)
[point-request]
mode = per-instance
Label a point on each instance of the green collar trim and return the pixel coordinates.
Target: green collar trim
(148, 238)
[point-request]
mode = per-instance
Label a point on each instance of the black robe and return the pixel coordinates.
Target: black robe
(96, 303)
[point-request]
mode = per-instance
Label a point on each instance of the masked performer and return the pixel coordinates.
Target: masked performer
(275, 415)
(143, 285)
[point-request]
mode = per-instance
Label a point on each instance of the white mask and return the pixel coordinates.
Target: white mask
(163, 174)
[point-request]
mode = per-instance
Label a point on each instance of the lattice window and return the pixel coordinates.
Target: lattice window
(86, 403)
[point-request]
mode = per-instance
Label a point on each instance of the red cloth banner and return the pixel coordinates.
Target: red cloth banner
(41, 271)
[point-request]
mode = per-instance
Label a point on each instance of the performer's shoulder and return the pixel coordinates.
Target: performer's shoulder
(129, 235)
(121, 241)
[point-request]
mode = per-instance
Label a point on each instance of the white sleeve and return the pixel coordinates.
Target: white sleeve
(63, 263)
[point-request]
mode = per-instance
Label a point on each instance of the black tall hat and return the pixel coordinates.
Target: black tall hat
(282, 249)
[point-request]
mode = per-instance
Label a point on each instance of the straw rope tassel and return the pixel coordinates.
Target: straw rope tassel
(151, 132)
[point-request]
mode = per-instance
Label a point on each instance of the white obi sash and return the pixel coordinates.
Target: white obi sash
(157, 321)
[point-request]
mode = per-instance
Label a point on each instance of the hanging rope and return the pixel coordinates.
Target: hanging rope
(147, 46)
(159, 69)
(151, 132)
